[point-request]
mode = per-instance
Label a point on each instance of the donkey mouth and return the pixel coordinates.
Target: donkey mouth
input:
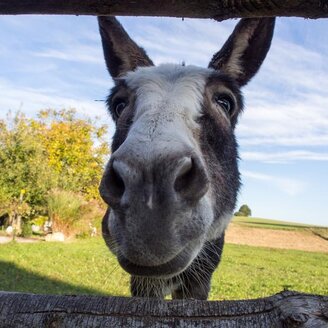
(166, 270)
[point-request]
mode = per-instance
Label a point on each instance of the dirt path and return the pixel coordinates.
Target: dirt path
(4, 240)
(301, 240)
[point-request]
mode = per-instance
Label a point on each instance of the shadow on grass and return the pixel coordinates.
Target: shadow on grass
(16, 279)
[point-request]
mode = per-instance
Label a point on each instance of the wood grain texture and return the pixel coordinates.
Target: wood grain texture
(219, 10)
(286, 309)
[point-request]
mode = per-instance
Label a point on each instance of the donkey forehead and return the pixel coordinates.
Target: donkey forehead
(176, 87)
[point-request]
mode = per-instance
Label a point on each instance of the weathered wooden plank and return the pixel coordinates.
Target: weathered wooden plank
(286, 309)
(219, 10)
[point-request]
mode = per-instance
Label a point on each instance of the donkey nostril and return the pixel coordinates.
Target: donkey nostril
(185, 167)
(191, 180)
(184, 175)
(115, 182)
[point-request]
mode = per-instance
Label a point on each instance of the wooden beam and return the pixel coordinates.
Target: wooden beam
(286, 309)
(218, 10)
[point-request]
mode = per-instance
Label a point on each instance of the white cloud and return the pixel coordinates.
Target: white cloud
(301, 121)
(287, 103)
(291, 187)
(76, 53)
(31, 100)
(297, 66)
(192, 41)
(283, 157)
(286, 120)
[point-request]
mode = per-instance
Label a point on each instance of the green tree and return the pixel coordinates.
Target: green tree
(57, 150)
(244, 210)
(22, 161)
(24, 174)
(76, 150)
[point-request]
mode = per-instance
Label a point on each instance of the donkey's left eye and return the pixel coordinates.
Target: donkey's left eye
(226, 102)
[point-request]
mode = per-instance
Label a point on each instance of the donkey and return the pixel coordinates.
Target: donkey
(172, 180)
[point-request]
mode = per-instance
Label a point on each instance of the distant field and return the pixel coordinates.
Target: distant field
(276, 224)
(87, 267)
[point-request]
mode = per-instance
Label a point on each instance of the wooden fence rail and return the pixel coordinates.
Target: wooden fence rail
(219, 10)
(286, 309)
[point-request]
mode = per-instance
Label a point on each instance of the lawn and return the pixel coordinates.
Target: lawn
(279, 225)
(87, 267)
(264, 223)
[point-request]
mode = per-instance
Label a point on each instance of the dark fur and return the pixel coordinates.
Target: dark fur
(219, 144)
(119, 64)
(260, 41)
(218, 147)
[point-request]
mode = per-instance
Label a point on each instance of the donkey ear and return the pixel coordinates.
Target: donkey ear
(121, 53)
(243, 53)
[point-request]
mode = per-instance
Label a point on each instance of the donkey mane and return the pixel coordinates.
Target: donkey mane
(172, 180)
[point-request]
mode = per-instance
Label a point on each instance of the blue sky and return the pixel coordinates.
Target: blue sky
(57, 62)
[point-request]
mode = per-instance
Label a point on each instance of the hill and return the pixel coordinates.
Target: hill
(277, 234)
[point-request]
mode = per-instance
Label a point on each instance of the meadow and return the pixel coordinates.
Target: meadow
(254, 222)
(86, 267)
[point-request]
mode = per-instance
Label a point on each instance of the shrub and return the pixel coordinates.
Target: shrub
(71, 214)
(26, 229)
(64, 209)
(82, 235)
(39, 220)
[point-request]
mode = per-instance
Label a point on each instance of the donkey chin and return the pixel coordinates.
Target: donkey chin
(172, 180)
(153, 246)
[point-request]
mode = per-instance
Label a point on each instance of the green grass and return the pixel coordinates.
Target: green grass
(274, 224)
(87, 267)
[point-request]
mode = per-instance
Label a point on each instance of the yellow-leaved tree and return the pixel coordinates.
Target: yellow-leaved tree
(41, 157)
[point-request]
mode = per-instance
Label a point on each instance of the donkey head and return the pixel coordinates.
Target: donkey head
(172, 180)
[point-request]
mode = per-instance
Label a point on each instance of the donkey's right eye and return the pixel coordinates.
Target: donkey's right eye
(119, 107)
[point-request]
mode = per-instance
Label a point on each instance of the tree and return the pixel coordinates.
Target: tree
(57, 150)
(244, 210)
(24, 174)
(76, 149)
(23, 165)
